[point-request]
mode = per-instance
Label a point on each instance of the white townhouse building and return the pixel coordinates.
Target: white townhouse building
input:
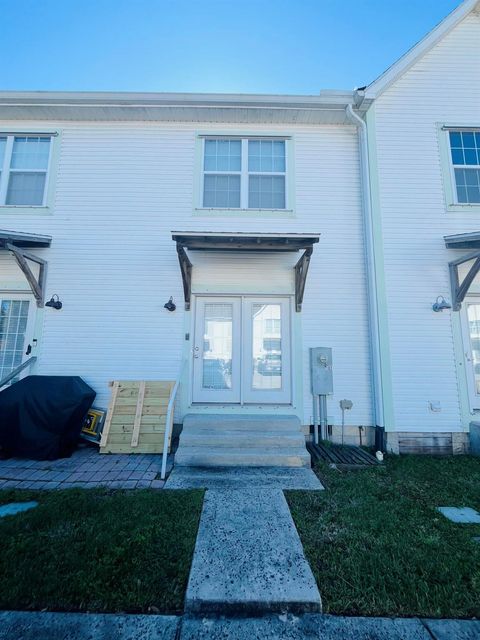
(348, 220)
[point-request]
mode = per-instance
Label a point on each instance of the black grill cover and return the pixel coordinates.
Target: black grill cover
(41, 416)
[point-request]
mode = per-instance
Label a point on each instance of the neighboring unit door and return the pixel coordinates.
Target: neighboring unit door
(16, 319)
(242, 350)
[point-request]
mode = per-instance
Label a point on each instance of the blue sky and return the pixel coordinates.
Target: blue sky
(244, 46)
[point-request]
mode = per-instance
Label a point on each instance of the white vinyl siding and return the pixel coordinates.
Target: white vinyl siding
(24, 169)
(440, 89)
(244, 174)
(120, 190)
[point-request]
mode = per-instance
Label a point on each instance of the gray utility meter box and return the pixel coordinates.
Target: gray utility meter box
(321, 370)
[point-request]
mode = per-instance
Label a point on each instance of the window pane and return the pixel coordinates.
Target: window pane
(3, 142)
(217, 346)
(455, 139)
(223, 155)
(267, 352)
(266, 155)
(470, 156)
(30, 153)
(221, 191)
(468, 185)
(13, 323)
(266, 192)
(457, 156)
(468, 140)
(26, 188)
(465, 147)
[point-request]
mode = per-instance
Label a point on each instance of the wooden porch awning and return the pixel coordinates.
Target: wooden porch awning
(268, 242)
(16, 242)
(460, 286)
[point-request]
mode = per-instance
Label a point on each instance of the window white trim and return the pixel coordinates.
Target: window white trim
(6, 169)
(448, 169)
(245, 174)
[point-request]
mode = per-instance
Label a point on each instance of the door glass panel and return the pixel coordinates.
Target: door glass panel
(267, 346)
(13, 326)
(217, 346)
(473, 312)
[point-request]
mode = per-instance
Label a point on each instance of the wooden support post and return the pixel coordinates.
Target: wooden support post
(186, 269)
(138, 414)
(301, 270)
(37, 286)
(108, 421)
(460, 290)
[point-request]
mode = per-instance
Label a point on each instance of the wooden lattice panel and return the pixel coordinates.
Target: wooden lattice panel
(136, 417)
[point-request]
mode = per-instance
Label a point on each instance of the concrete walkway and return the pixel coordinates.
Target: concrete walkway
(21, 625)
(248, 557)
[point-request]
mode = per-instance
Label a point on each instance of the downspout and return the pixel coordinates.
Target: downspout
(374, 325)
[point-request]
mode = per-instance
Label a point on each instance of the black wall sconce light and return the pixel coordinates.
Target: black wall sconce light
(441, 304)
(54, 302)
(170, 305)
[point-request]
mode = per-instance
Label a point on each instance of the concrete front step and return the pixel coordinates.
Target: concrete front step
(246, 439)
(217, 422)
(242, 457)
(213, 440)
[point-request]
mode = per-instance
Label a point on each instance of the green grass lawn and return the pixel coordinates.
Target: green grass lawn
(377, 546)
(98, 550)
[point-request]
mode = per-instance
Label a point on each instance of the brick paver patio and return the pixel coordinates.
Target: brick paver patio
(85, 469)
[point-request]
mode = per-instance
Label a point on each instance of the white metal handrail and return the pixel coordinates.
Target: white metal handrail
(169, 421)
(13, 374)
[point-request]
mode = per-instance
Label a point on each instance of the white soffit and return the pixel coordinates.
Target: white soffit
(326, 108)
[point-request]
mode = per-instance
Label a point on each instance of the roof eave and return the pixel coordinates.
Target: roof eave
(328, 107)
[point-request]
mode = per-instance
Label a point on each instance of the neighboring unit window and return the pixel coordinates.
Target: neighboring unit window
(465, 153)
(244, 174)
(24, 165)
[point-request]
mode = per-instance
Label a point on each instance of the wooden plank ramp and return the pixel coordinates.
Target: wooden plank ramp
(136, 417)
(342, 456)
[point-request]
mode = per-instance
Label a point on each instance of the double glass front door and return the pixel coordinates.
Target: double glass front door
(242, 350)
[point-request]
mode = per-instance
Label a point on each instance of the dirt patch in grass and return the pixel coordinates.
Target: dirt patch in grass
(378, 546)
(98, 550)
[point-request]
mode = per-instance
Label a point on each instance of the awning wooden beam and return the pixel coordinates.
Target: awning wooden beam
(186, 270)
(37, 285)
(301, 270)
(245, 242)
(460, 289)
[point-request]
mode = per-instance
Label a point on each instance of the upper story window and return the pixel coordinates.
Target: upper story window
(247, 173)
(24, 162)
(465, 154)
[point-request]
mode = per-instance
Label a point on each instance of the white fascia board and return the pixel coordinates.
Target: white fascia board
(240, 234)
(132, 99)
(378, 86)
(328, 107)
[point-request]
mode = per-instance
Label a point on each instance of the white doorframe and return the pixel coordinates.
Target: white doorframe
(242, 391)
